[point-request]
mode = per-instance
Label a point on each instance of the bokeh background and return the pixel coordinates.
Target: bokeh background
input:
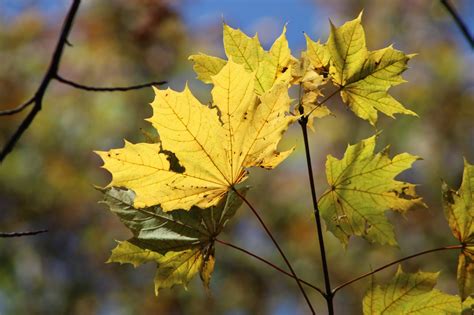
(47, 182)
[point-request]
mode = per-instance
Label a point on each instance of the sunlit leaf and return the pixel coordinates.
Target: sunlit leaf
(317, 53)
(362, 76)
(173, 267)
(411, 293)
(361, 188)
(459, 210)
(268, 66)
(214, 145)
(206, 66)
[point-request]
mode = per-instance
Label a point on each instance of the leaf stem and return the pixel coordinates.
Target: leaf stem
(394, 263)
(322, 102)
(327, 282)
(278, 247)
(270, 264)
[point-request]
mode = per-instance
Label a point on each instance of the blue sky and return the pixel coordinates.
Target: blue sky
(266, 16)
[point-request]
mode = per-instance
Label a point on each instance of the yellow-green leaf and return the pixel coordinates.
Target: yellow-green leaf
(248, 52)
(348, 50)
(127, 253)
(180, 242)
(206, 66)
(459, 210)
(410, 293)
(317, 53)
(214, 145)
(361, 188)
(364, 77)
(278, 62)
(269, 67)
(172, 268)
(465, 272)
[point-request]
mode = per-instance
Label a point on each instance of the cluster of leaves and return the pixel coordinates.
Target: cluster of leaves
(177, 194)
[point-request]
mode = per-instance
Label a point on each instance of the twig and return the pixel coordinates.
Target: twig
(329, 295)
(303, 121)
(52, 74)
(107, 89)
(48, 77)
(394, 263)
(460, 23)
(20, 234)
(278, 247)
(270, 264)
(17, 109)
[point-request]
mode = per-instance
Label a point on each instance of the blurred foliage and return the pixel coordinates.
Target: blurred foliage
(47, 182)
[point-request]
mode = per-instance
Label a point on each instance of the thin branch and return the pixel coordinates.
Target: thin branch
(460, 23)
(327, 282)
(303, 121)
(51, 74)
(17, 109)
(48, 77)
(20, 234)
(394, 263)
(278, 247)
(270, 264)
(107, 89)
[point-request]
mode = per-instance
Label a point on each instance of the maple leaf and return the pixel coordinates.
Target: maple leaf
(362, 188)
(317, 53)
(459, 210)
(269, 66)
(310, 81)
(362, 76)
(412, 293)
(214, 145)
(180, 242)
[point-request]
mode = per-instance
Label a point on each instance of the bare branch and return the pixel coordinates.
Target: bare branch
(20, 234)
(48, 77)
(269, 233)
(17, 109)
(107, 89)
(460, 23)
(394, 263)
(269, 264)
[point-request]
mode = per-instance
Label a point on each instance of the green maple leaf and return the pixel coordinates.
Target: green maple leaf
(362, 76)
(268, 66)
(459, 210)
(412, 293)
(181, 242)
(362, 188)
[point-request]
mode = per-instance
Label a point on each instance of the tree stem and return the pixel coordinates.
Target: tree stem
(278, 247)
(269, 264)
(327, 282)
(394, 263)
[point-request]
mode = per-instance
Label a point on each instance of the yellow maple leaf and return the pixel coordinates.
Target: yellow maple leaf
(214, 145)
(269, 66)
